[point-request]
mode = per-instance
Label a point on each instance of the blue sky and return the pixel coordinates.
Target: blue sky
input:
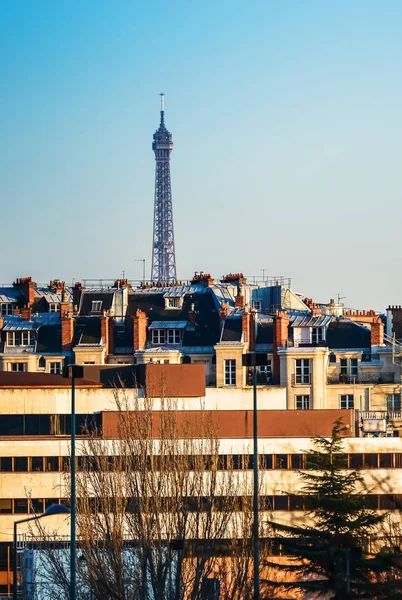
(286, 122)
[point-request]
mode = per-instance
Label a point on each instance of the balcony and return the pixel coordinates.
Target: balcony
(262, 378)
(304, 379)
(367, 377)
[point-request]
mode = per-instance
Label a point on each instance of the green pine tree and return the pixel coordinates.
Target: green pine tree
(326, 554)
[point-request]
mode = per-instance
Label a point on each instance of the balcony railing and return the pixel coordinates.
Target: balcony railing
(301, 379)
(262, 378)
(334, 378)
(388, 415)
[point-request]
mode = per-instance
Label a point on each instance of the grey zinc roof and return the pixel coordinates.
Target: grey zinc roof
(16, 323)
(168, 325)
(9, 294)
(310, 321)
(51, 296)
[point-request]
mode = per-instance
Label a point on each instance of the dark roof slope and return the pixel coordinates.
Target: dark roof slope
(265, 332)
(87, 331)
(347, 334)
(206, 331)
(106, 297)
(49, 339)
(232, 329)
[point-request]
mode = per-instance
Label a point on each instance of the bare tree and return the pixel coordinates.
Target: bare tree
(157, 510)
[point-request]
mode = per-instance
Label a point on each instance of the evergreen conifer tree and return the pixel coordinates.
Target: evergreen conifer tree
(325, 552)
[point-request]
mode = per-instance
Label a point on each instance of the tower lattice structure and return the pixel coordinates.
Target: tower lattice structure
(163, 249)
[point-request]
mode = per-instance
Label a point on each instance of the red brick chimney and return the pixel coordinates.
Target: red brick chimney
(223, 313)
(251, 343)
(77, 291)
(111, 337)
(1, 322)
(67, 333)
(104, 323)
(26, 313)
(64, 309)
(281, 332)
(27, 287)
(377, 332)
(140, 330)
(239, 299)
(192, 317)
(245, 325)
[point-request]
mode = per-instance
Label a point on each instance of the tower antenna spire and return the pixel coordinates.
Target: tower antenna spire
(162, 95)
(163, 248)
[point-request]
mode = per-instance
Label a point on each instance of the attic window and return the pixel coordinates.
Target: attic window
(173, 302)
(54, 307)
(257, 305)
(7, 308)
(96, 306)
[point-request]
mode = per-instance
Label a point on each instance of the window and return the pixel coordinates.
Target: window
(18, 367)
(281, 461)
(257, 305)
(21, 464)
(173, 302)
(158, 336)
(230, 372)
(96, 306)
(6, 506)
(370, 461)
(37, 463)
(54, 307)
(344, 366)
(7, 309)
(13, 338)
(317, 335)
(393, 402)
(51, 463)
(386, 460)
(347, 401)
(297, 461)
(21, 506)
(303, 402)
(264, 373)
(173, 336)
(303, 370)
(6, 463)
(353, 367)
(55, 368)
(25, 338)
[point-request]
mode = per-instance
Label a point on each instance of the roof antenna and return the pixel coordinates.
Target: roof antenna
(162, 95)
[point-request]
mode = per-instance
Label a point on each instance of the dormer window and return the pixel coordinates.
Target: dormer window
(7, 309)
(173, 302)
(96, 306)
(257, 305)
(54, 307)
(158, 336)
(173, 336)
(317, 335)
(19, 338)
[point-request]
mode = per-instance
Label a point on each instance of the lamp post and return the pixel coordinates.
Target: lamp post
(253, 360)
(73, 372)
(54, 509)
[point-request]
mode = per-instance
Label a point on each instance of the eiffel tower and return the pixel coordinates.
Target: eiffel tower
(163, 250)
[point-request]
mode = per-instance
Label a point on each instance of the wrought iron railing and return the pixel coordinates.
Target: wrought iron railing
(304, 379)
(373, 377)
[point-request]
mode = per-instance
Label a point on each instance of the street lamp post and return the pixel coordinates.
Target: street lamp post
(54, 509)
(73, 371)
(253, 360)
